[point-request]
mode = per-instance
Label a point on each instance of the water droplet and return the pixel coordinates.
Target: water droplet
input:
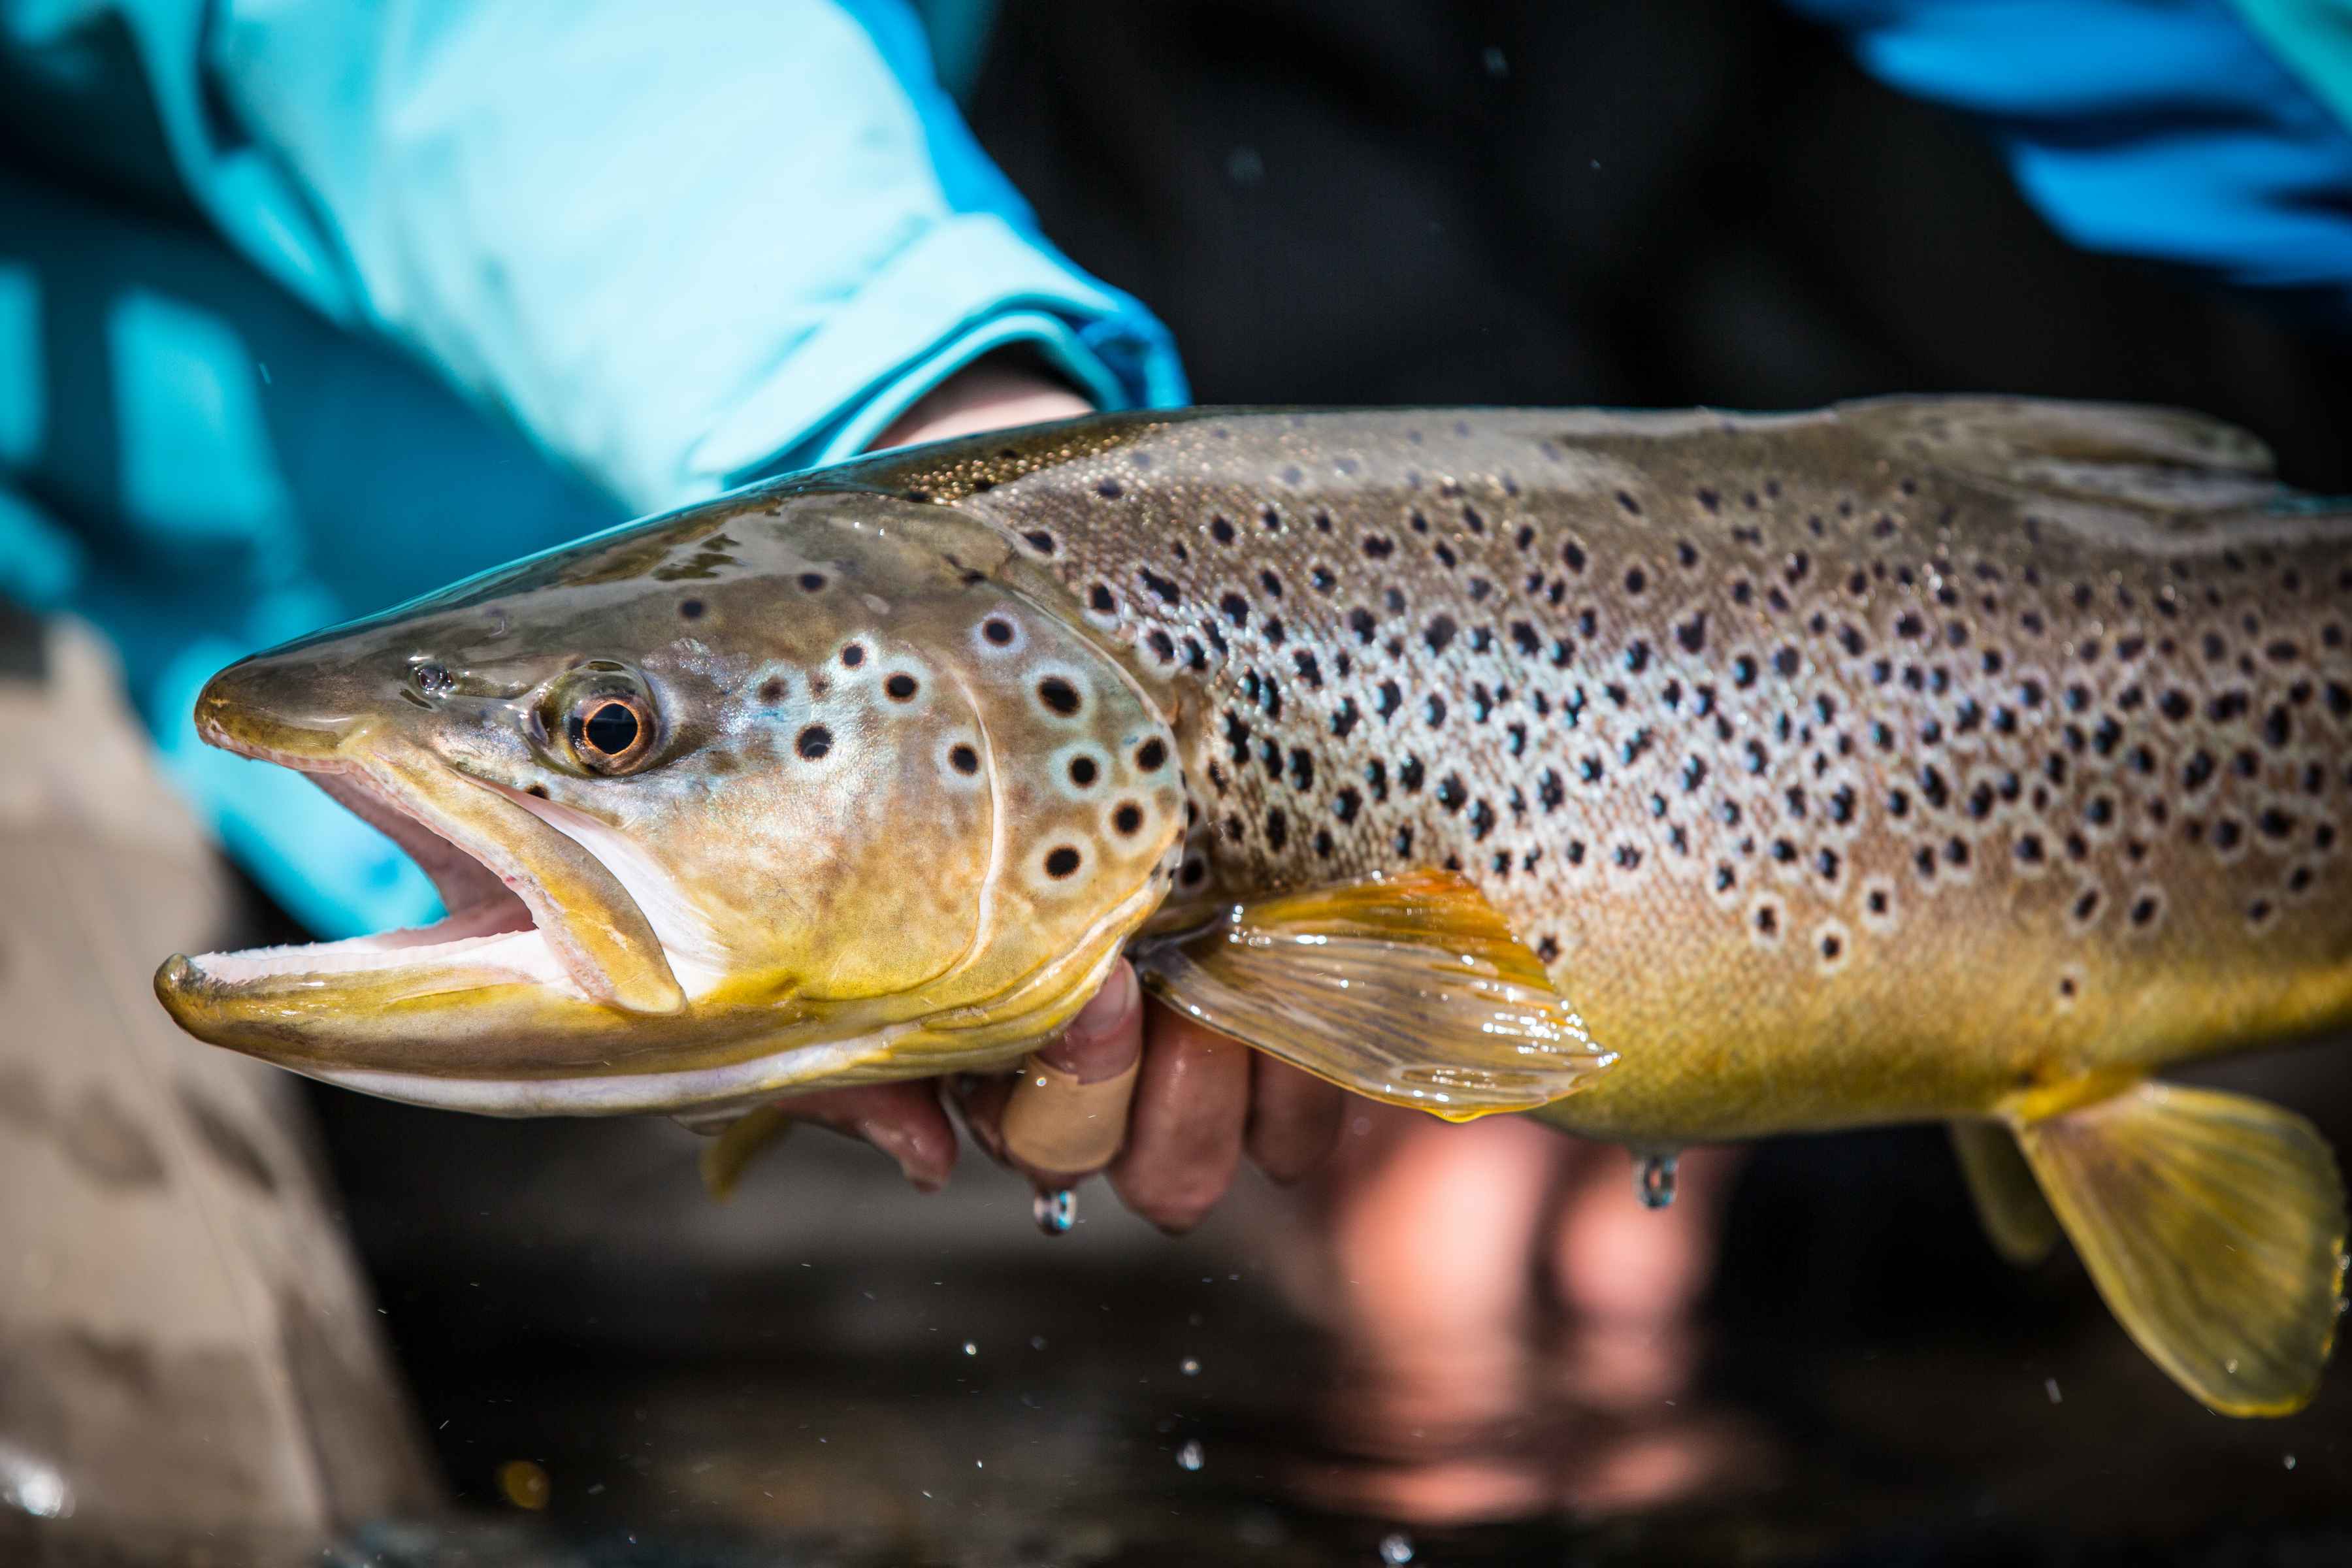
(1190, 1456)
(1653, 1179)
(2290, 1461)
(1396, 1547)
(971, 1347)
(35, 1486)
(2050, 1387)
(1189, 1367)
(1036, 1342)
(1055, 1212)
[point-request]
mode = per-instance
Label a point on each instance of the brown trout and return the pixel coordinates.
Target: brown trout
(1948, 759)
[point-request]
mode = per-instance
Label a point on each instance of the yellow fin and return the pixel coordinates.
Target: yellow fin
(732, 1146)
(2017, 1218)
(1408, 988)
(2213, 1224)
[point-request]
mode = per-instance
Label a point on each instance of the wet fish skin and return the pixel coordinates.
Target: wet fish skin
(1903, 761)
(1929, 758)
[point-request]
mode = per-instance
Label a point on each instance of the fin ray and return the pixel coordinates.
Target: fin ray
(1410, 989)
(2170, 468)
(2214, 1226)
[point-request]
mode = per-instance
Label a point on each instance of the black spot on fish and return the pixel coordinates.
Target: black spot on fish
(812, 582)
(854, 655)
(1127, 818)
(1058, 695)
(1061, 861)
(690, 608)
(813, 742)
(963, 759)
(901, 688)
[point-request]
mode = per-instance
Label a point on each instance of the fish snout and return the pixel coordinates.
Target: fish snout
(271, 706)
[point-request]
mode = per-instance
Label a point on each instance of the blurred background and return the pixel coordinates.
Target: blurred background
(1667, 202)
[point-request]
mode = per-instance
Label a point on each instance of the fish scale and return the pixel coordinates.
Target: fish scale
(1835, 774)
(1673, 776)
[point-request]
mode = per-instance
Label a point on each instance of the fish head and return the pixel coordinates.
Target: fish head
(785, 790)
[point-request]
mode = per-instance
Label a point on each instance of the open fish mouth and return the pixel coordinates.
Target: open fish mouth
(528, 906)
(490, 924)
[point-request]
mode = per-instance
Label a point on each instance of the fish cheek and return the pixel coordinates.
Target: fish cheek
(870, 879)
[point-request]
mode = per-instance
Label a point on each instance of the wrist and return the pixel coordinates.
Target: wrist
(993, 393)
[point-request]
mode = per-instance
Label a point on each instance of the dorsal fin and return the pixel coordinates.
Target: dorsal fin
(2168, 464)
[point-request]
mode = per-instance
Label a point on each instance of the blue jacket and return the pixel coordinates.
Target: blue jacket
(674, 248)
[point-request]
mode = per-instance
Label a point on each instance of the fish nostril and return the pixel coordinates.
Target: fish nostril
(814, 742)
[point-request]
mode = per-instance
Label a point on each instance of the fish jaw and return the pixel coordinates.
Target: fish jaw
(536, 919)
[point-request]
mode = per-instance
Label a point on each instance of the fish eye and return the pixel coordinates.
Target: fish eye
(604, 718)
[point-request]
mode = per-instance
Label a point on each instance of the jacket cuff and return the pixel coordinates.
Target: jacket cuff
(974, 284)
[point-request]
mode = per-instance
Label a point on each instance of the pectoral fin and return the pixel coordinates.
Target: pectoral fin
(2015, 1214)
(2214, 1225)
(1410, 989)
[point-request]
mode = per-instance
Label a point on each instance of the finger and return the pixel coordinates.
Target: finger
(1066, 1114)
(1294, 1117)
(1184, 1133)
(904, 1120)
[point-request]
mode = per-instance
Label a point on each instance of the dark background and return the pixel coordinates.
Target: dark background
(1667, 201)
(1652, 201)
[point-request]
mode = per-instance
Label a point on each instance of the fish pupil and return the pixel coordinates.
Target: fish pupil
(612, 729)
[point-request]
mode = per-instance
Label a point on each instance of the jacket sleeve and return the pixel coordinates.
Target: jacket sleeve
(680, 246)
(2215, 136)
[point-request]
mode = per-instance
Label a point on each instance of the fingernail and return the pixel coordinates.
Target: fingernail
(1099, 1017)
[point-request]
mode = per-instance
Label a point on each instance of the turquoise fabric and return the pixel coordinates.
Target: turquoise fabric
(299, 298)
(2168, 129)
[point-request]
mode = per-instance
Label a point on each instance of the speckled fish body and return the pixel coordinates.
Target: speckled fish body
(1893, 762)
(1919, 759)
